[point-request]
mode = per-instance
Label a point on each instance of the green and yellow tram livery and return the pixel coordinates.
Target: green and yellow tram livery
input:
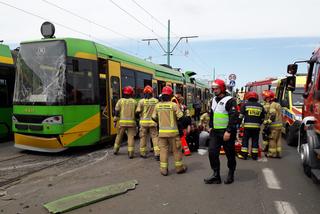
(7, 70)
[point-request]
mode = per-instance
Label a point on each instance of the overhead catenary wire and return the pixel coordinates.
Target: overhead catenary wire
(133, 17)
(61, 25)
(163, 25)
(88, 20)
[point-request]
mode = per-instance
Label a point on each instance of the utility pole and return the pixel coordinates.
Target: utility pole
(214, 73)
(169, 52)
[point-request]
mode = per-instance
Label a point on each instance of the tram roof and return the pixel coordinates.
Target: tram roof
(5, 55)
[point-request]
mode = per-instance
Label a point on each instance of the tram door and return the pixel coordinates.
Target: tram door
(114, 91)
(104, 101)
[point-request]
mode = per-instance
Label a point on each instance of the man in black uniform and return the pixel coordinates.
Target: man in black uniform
(223, 123)
(252, 113)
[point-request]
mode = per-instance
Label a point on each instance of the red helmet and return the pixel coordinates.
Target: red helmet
(167, 90)
(218, 83)
(268, 94)
(148, 90)
(128, 90)
(251, 95)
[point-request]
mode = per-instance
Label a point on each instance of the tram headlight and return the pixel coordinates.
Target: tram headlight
(53, 120)
(14, 119)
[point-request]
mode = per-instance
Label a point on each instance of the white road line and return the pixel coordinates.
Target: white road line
(284, 207)
(270, 178)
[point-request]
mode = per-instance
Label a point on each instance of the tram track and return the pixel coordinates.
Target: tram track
(11, 158)
(18, 177)
(20, 166)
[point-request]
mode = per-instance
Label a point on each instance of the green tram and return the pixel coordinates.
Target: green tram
(66, 90)
(7, 72)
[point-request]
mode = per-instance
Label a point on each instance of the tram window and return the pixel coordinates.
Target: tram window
(142, 80)
(155, 89)
(3, 93)
(81, 87)
(127, 78)
(115, 85)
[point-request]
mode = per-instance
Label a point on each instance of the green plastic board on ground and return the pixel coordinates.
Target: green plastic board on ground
(82, 199)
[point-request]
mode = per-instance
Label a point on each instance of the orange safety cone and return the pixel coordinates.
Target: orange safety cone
(184, 144)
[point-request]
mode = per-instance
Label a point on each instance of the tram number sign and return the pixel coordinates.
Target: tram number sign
(232, 77)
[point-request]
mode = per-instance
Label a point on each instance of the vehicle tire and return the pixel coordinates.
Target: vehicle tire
(292, 134)
(307, 170)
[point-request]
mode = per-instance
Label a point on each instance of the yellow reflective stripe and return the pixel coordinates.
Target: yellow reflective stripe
(178, 163)
(272, 150)
(126, 121)
(116, 146)
(156, 148)
(254, 150)
(251, 125)
(244, 149)
(143, 149)
(279, 149)
(168, 131)
(171, 119)
(265, 142)
(276, 124)
(130, 148)
(163, 165)
(146, 121)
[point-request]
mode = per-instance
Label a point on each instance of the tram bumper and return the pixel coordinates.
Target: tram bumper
(38, 143)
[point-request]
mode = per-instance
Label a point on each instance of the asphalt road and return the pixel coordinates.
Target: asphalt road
(264, 186)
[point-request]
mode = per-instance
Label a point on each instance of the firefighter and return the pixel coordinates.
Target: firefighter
(184, 128)
(266, 129)
(145, 109)
(223, 121)
(204, 129)
(274, 120)
(252, 113)
(125, 116)
(168, 114)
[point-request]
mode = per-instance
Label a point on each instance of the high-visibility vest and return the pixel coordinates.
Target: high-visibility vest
(147, 106)
(167, 114)
(220, 114)
(127, 108)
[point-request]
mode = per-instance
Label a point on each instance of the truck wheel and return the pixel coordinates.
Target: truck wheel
(292, 135)
(307, 170)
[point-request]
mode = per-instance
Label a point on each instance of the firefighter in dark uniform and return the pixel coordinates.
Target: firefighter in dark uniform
(167, 114)
(252, 113)
(223, 124)
(125, 115)
(145, 109)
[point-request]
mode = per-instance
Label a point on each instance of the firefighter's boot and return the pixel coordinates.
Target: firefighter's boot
(164, 171)
(214, 178)
(254, 156)
(230, 177)
(182, 169)
(130, 154)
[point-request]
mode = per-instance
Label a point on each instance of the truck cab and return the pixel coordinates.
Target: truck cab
(291, 103)
(309, 131)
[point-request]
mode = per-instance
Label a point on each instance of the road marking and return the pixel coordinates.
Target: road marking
(270, 178)
(284, 207)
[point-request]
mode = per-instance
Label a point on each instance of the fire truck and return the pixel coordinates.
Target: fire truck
(309, 131)
(259, 86)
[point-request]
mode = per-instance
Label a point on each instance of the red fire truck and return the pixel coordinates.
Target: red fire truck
(259, 86)
(309, 132)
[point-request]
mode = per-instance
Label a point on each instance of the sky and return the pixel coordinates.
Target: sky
(252, 39)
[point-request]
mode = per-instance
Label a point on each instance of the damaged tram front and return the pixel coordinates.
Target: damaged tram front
(55, 98)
